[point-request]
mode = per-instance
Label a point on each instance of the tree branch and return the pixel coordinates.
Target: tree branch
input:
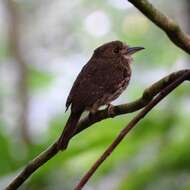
(147, 96)
(172, 29)
(164, 92)
(33, 166)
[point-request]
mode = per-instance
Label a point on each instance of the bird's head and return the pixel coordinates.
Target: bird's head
(116, 49)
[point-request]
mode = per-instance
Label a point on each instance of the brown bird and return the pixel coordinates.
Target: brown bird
(101, 80)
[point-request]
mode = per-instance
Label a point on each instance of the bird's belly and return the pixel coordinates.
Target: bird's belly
(109, 97)
(121, 87)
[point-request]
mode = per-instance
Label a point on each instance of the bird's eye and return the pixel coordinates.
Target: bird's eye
(116, 50)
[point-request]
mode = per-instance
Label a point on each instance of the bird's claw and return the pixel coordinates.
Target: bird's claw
(110, 110)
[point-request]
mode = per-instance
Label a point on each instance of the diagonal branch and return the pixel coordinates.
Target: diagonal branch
(147, 96)
(163, 93)
(172, 29)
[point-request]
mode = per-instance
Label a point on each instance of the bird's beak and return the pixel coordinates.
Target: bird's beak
(132, 50)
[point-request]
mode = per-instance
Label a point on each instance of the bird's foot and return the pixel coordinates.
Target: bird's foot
(110, 110)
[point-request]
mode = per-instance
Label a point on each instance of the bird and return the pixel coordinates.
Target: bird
(105, 76)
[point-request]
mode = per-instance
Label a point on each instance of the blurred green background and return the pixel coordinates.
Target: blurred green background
(43, 46)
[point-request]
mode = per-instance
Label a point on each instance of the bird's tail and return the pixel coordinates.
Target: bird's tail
(69, 130)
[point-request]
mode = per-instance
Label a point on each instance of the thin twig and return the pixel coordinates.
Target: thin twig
(147, 96)
(131, 125)
(172, 29)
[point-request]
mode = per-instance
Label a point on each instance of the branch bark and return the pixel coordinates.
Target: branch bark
(164, 92)
(147, 96)
(172, 29)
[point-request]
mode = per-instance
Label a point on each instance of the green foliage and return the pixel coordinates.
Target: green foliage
(4, 52)
(39, 79)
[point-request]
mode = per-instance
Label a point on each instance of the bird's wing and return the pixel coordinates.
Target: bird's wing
(77, 84)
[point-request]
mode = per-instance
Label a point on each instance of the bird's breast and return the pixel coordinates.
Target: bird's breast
(121, 87)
